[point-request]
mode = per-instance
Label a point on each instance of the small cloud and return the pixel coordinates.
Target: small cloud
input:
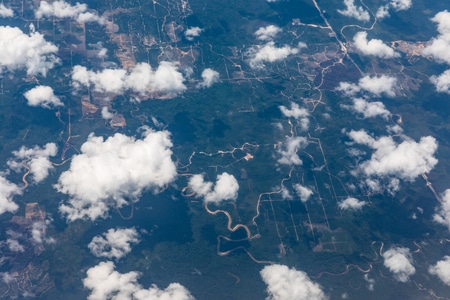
(267, 33)
(442, 215)
(368, 109)
(353, 11)
(303, 192)
(399, 261)
(442, 270)
(290, 284)
(225, 188)
(7, 191)
(109, 173)
(142, 79)
(297, 113)
(438, 46)
(14, 245)
(289, 150)
(42, 96)
(351, 204)
(37, 159)
(6, 12)
(396, 5)
(442, 82)
(209, 77)
(106, 114)
(31, 52)
(392, 161)
(268, 52)
(104, 282)
(374, 47)
(61, 9)
(192, 32)
(376, 86)
(115, 243)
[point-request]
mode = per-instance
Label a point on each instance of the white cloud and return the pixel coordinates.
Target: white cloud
(399, 261)
(442, 82)
(438, 46)
(20, 50)
(105, 283)
(351, 204)
(14, 245)
(368, 109)
(42, 95)
(289, 150)
(142, 79)
(225, 188)
(391, 160)
(209, 77)
(442, 270)
(297, 113)
(353, 11)
(192, 32)
(383, 12)
(303, 192)
(6, 12)
(374, 47)
(106, 114)
(108, 173)
(61, 9)
(7, 191)
(267, 33)
(396, 5)
(268, 52)
(115, 243)
(442, 215)
(36, 159)
(290, 284)
(376, 85)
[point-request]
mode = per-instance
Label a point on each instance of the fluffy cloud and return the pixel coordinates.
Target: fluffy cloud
(267, 33)
(303, 192)
(376, 85)
(351, 204)
(368, 109)
(209, 77)
(61, 9)
(392, 161)
(42, 95)
(32, 52)
(353, 11)
(290, 284)
(442, 270)
(115, 243)
(6, 12)
(399, 261)
(396, 5)
(374, 47)
(442, 215)
(442, 82)
(289, 150)
(225, 188)
(192, 32)
(7, 191)
(297, 113)
(105, 282)
(37, 159)
(270, 53)
(142, 79)
(109, 172)
(438, 47)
